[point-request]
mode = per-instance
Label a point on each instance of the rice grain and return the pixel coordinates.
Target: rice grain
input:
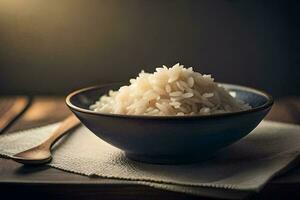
(170, 91)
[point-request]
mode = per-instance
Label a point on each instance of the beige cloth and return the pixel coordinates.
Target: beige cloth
(243, 167)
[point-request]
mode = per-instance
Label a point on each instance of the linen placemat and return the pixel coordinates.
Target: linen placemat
(244, 167)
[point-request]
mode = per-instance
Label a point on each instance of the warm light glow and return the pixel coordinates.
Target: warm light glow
(10, 6)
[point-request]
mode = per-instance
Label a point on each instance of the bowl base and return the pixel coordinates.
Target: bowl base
(188, 159)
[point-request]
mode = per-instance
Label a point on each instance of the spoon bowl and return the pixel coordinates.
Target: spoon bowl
(35, 155)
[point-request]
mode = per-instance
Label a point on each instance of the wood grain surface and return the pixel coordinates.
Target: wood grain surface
(10, 109)
(56, 184)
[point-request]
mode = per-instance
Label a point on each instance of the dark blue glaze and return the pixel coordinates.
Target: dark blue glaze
(170, 139)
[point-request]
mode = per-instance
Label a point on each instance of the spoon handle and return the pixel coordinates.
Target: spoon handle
(69, 123)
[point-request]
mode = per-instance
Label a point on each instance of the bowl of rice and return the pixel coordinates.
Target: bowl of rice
(173, 115)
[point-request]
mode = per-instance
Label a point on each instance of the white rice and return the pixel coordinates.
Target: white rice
(170, 91)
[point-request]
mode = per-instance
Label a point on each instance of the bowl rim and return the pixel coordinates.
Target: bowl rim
(268, 104)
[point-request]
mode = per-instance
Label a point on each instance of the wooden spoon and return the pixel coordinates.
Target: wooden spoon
(41, 153)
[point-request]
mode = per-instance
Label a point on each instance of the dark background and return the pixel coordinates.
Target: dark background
(55, 46)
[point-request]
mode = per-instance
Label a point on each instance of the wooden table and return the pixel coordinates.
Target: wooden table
(19, 181)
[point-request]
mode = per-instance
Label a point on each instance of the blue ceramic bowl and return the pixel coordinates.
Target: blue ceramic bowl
(170, 139)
